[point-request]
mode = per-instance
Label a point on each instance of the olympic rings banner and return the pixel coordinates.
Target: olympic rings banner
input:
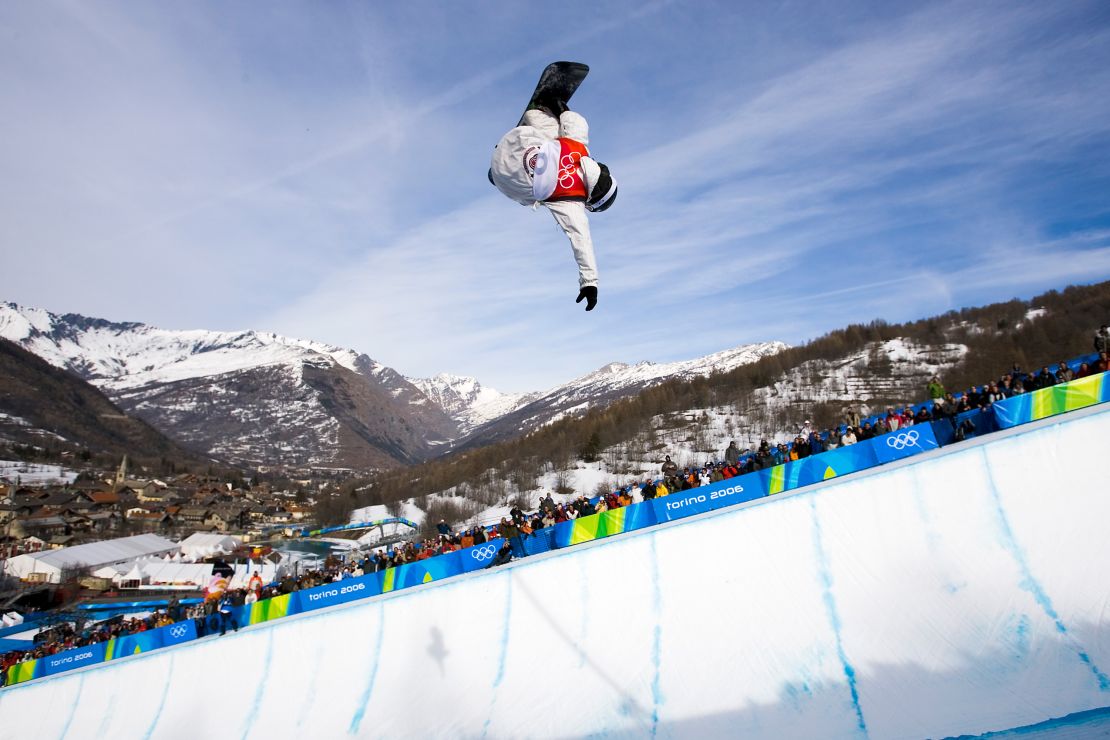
(904, 443)
(479, 556)
(100, 652)
(392, 579)
(143, 642)
(1057, 399)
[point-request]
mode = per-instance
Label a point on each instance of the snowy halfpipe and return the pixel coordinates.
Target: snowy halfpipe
(960, 592)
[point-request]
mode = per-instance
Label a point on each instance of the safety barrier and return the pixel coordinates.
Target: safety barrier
(101, 652)
(1056, 399)
(792, 475)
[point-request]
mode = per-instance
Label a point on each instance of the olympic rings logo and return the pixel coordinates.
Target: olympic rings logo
(177, 631)
(902, 440)
(485, 552)
(568, 168)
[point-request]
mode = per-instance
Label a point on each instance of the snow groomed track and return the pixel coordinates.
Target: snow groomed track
(959, 592)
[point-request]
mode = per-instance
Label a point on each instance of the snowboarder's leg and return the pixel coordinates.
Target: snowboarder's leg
(571, 216)
(542, 121)
(573, 126)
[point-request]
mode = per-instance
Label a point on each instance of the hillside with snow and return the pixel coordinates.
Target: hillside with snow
(606, 384)
(249, 398)
(261, 399)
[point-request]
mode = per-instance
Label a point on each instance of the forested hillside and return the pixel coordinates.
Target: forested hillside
(869, 365)
(49, 414)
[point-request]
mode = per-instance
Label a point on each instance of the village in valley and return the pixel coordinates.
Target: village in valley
(43, 516)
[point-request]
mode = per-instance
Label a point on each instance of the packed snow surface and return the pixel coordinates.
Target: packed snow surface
(960, 593)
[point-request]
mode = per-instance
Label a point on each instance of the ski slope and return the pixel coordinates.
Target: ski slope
(961, 592)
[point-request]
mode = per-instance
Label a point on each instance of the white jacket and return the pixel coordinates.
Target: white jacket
(525, 167)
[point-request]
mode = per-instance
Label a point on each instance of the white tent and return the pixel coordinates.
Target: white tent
(133, 578)
(48, 566)
(158, 575)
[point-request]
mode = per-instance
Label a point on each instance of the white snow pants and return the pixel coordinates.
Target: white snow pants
(571, 214)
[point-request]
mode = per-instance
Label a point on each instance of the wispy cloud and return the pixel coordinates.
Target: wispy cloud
(319, 171)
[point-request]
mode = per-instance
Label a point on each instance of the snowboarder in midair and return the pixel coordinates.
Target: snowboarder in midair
(546, 159)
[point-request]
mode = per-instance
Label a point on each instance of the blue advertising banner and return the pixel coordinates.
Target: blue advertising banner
(479, 556)
(434, 568)
(819, 467)
(707, 498)
(140, 642)
(70, 660)
(639, 516)
(179, 632)
(340, 592)
(539, 541)
(903, 443)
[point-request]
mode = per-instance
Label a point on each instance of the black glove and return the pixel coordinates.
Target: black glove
(590, 294)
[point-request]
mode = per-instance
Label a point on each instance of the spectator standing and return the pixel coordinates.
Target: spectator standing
(1045, 379)
(669, 468)
(226, 616)
(508, 529)
(254, 585)
(816, 446)
(935, 389)
(732, 453)
(1102, 340)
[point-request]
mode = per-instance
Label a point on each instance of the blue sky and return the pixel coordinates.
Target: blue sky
(318, 170)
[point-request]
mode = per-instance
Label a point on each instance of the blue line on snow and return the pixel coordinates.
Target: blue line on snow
(73, 709)
(309, 697)
(1031, 584)
(108, 713)
(657, 641)
(252, 715)
(584, 626)
(504, 649)
(834, 617)
(162, 701)
(364, 700)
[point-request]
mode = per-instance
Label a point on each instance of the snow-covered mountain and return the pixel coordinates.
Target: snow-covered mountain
(256, 398)
(247, 397)
(607, 384)
(469, 402)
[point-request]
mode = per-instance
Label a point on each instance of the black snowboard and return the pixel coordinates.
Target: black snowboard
(556, 86)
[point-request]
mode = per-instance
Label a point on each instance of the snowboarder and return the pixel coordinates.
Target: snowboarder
(546, 159)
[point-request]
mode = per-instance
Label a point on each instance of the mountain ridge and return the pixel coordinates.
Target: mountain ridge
(259, 398)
